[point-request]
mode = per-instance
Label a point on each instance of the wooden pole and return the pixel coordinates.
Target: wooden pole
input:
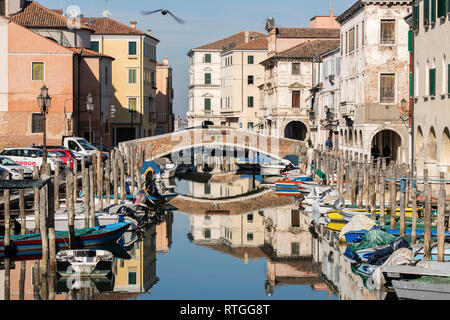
(22, 231)
(122, 179)
(6, 238)
(100, 190)
(70, 197)
(354, 177)
(36, 201)
(441, 220)
(115, 178)
(373, 192)
(367, 170)
(132, 166)
(56, 186)
(75, 179)
(86, 193)
(382, 191)
(414, 211)
(50, 202)
(402, 207)
(43, 230)
(92, 198)
(427, 218)
(94, 172)
(108, 180)
(393, 195)
(360, 182)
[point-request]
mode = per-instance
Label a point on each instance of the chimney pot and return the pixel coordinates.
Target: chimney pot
(246, 36)
(133, 24)
(166, 61)
(149, 32)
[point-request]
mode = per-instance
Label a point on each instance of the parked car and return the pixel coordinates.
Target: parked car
(65, 155)
(102, 147)
(80, 147)
(31, 157)
(13, 168)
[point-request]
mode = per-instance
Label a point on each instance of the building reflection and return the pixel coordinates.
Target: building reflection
(289, 246)
(138, 274)
(225, 185)
(164, 234)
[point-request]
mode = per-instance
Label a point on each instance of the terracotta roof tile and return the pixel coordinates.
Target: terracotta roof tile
(230, 42)
(84, 52)
(110, 26)
(307, 50)
(256, 44)
(307, 33)
(35, 15)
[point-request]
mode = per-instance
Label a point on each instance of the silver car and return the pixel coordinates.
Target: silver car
(14, 168)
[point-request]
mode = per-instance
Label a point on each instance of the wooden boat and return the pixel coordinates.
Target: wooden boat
(366, 269)
(335, 226)
(423, 288)
(84, 263)
(420, 269)
(29, 244)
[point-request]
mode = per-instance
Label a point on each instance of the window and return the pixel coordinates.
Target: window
(296, 68)
(432, 79)
(132, 104)
(250, 102)
(295, 218)
(249, 236)
(250, 217)
(351, 40)
(207, 188)
(207, 78)
(207, 233)
(207, 58)
(132, 277)
(250, 80)
(132, 76)
(387, 88)
(207, 104)
(387, 31)
(426, 12)
(295, 99)
(441, 9)
(132, 49)
(37, 123)
(37, 71)
(433, 11)
(295, 248)
(416, 17)
(357, 37)
(342, 43)
(250, 59)
(94, 46)
(250, 125)
(363, 35)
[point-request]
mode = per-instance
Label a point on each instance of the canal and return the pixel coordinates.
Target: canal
(230, 238)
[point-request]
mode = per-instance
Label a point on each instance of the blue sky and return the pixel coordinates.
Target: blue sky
(207, 21)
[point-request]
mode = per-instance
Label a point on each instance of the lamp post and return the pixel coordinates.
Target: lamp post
(44, 102)
(90, 108)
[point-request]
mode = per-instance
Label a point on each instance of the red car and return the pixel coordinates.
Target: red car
(65, 155)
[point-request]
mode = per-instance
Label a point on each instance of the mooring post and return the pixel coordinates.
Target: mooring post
(115, 178)
(122, 179)
(56, 186)
(108, 180)
(360, 181)
(70, 196)
(86, 194)
(366, 182)
(402, 206)
(7, 239)
(92, 198)
(132, 166)
(382, 188)
(393, 195)
(75, 180)
(427, 217)
(100, 190)
(51, 222)
(414, 211)
(354, 180)
(441, 219)
(43, 230)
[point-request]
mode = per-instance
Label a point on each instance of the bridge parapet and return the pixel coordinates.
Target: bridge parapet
(215, 138)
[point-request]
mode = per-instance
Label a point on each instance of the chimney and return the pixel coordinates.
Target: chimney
(166, 61)
(246, 36)
(133, 24)
(149, 32)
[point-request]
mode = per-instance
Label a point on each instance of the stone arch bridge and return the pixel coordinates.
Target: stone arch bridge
(215, 137)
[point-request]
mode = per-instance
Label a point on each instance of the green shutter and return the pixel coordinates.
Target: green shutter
(416, 17)
(410, 40)
(432, 82)
(132, 48)
(207, 58)
(433, 11)
(94, 46)
(207, 78)
(250, 60)
(426, 12)
(448, 6)
(207, 104)
(250, 102)
(442, 10)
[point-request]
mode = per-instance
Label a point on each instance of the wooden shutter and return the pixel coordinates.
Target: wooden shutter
(207, 104)
(295, 218)
(426, 12)
(295, 99)
(442, 10)
(416, 16)
(207, 78)
(433, 11)
(132, 48)
(387, 31)
(432, 82)
(94, 46)
(37, 71)
(250, 102)
(387, 88)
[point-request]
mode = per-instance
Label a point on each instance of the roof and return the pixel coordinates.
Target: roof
(230, 42)
(88, 53)
(256, 44)
(347, 14)
(307, 50)
(307, 33)
(35, 15)
(108, 26)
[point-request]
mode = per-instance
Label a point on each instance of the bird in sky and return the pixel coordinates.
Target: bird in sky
(164, 12)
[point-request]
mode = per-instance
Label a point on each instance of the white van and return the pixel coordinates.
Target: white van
(31, 157)
(80, 147)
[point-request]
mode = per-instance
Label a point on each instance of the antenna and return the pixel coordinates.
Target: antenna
(331, 8)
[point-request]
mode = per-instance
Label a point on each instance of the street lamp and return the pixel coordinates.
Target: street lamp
(90, 108)
(44, 102)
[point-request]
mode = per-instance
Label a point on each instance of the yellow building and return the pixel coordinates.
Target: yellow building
(138, 274)
(133, 75)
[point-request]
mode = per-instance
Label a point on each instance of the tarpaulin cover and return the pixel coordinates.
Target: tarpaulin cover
(380, 256)
(373, 238)
(358, 222)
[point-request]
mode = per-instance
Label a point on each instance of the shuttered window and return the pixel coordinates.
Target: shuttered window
(207, 103)
(250, 59)
(207, 78)
(94, 45)
(295, 99)
(433, 11)
(250, 102)
(296, 68)
(416, 16)
(426, 12)
(37, 71)
(132, 76)
(387, 88)
(442, 9)
(387, 31)
(132, 104)
(132, 49)
(207, 58)
(432, 82)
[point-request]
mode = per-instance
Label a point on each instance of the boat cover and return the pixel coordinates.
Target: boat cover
(374, 238)
(150, 164)
(292, 158)
(358, 222)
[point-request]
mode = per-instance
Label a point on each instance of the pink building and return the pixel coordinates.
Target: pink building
(164, 98)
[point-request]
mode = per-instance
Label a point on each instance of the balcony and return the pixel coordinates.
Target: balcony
(347, 110)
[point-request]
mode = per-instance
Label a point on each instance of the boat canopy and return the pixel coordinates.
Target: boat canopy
(150, 164)
(292, 158)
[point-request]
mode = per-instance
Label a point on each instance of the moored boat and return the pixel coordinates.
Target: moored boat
(84, 263)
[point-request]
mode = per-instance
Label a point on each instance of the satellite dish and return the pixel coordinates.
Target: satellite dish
(106, 13)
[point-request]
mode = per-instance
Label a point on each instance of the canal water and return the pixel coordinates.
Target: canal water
(261, 248)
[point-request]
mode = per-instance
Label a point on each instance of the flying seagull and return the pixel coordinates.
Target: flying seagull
(164, 12)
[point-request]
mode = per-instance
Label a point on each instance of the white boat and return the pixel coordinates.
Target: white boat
(84, 263)
(273, 168)
(424, 288)
(168, 169)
